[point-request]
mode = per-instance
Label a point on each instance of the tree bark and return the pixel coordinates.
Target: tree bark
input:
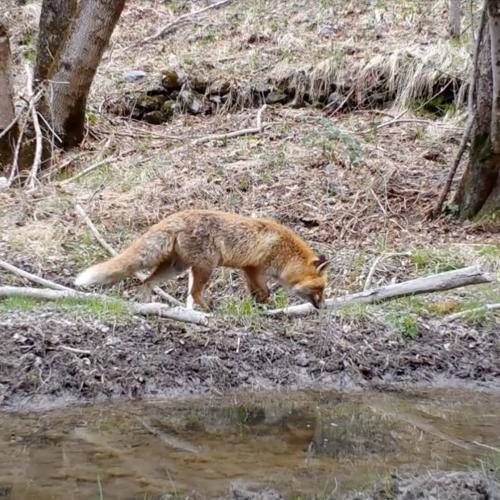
(80, 55)
(454, 18)
(479, 189)
(7, 112)
(55, 21)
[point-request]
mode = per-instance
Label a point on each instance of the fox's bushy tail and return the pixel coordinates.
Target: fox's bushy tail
(147, 252)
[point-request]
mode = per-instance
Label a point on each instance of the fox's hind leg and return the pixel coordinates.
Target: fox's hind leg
(167, 270)
(256, 282)
(198, 278)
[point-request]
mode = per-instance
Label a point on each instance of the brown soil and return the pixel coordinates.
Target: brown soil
(48, 358)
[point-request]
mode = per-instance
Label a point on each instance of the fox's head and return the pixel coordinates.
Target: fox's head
(311, 283)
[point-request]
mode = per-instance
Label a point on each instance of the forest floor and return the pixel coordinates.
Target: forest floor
(349, 183)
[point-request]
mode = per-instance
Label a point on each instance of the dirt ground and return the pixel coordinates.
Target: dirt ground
(352, 185)
(47, 358)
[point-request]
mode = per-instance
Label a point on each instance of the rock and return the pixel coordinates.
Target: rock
(326, 31)
(335, 99)
(133, 75)
(191, 101)
(4, 183)
(241, 492)
(275, 97)
(171, 80)
(167, 108)
(219, 87)
(156, 117)
(148, 102)
(198, 84)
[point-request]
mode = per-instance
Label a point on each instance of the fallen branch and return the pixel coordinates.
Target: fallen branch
(462, 314)
(90, 168)
(168, 27)
(235, 133)
(81, 212)
(33, 277)
(260, 127)
(149, 309)
(437, 282)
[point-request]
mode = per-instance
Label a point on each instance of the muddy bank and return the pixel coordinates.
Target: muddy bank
(50, 356)
(442, 485)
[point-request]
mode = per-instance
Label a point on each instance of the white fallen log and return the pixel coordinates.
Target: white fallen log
(145, 309)
(473, 275)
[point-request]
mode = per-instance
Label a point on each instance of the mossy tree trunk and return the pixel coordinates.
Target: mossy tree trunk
(76, 65)
(479, 190)
(7, 112)
(55, 19)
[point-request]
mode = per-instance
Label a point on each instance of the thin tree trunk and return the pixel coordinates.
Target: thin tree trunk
(478, 190)
(454, 18)
(55, 20)
(80, 55)
(7, 112)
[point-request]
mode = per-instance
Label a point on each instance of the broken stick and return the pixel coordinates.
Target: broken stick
(473, 275)
(145, 309)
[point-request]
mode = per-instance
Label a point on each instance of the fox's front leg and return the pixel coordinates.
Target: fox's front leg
(198, 278)
(256, 282)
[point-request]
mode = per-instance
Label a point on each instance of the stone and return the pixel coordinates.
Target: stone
(133, 75)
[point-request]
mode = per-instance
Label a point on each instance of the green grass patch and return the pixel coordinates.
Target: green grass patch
(437, 262)
(19, 303)
(406, 324)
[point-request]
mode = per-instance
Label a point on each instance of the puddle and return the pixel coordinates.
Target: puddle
(300, 444)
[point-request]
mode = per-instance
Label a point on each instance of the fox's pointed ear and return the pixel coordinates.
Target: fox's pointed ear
(321, 263)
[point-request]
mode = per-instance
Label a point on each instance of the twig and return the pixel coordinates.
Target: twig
(458, 315)
(33, 277)
(487, 446)
(409, 120)
(37, 161)
(81, 212)
(74, 350)
(15, 161)
(437, 282)
(377, 261)
(165, 29)
(456, 162)
(150, 309)
(260, 126)
(89, 169)
(10, 125)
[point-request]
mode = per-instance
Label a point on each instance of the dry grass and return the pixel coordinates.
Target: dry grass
(352, 195)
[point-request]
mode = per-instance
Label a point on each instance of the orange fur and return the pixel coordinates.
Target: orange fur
(204, 239)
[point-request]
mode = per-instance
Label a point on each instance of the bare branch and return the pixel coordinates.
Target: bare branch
(37, 161)
(151, 309)
(435, 283)
(33, 277)
(476, 310)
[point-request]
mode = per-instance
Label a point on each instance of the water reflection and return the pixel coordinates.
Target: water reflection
(299, 443)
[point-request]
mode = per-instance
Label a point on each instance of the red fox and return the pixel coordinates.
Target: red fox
(201, 240)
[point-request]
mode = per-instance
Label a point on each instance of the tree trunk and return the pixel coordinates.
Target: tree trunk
(479, 191)
(454, 18)
(7, 112)
(77, 64)
(55, 20)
